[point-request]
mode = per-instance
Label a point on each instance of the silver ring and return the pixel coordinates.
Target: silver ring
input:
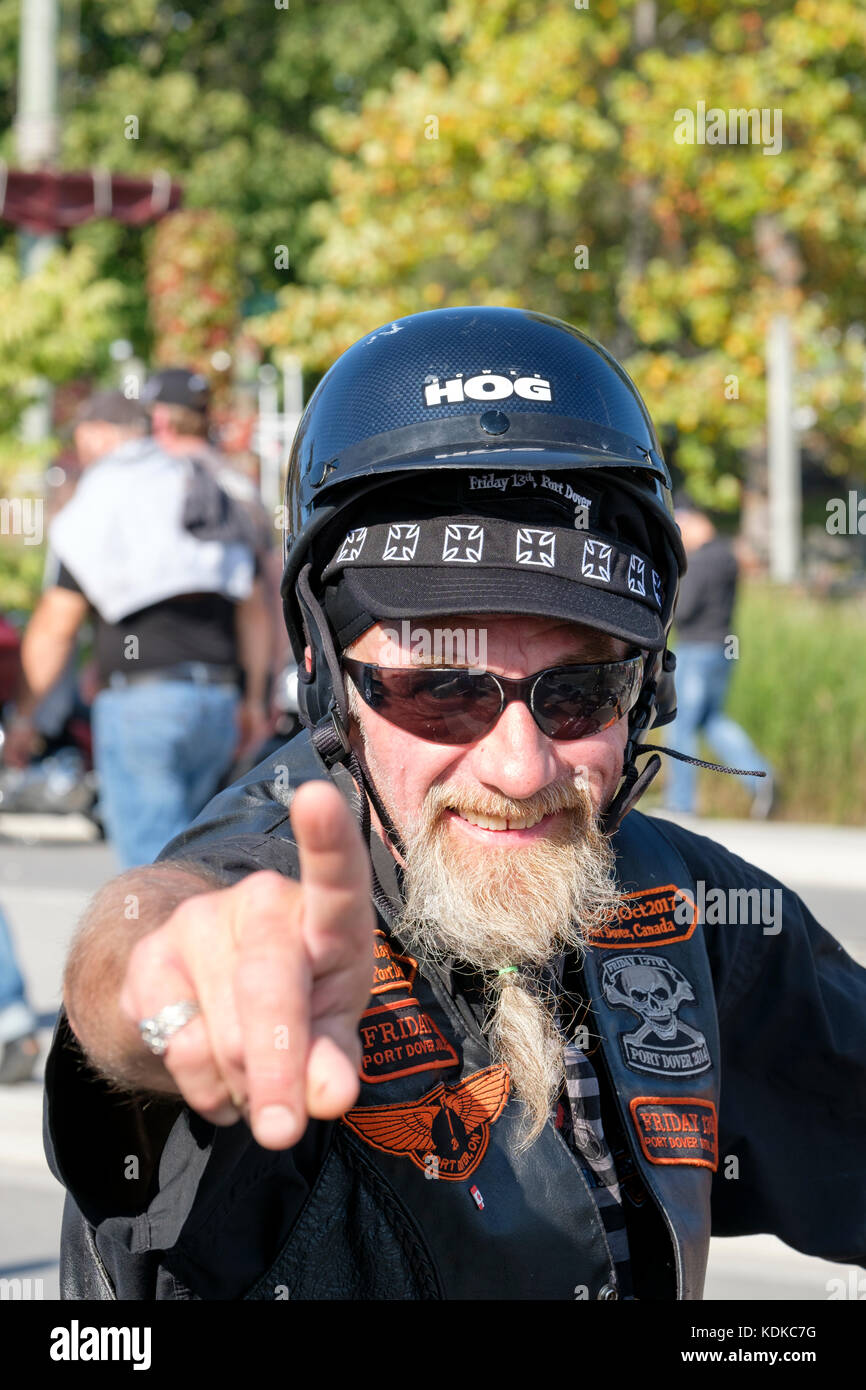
(157, 1032)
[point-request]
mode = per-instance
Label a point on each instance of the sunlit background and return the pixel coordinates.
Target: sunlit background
(246, 188)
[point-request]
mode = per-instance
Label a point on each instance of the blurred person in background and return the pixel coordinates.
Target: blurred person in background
(179, 402)
(167, 563)
(703, 624)
(18, 1046)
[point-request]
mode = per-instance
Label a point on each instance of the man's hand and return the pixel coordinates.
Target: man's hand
(20, 741)
(281, 971)
(254, 726)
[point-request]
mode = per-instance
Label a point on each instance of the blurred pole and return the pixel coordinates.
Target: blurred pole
(780, 258)
(785, 483)
(644, 23)
(293, 407)
(276, 427)
(293, 386)
(36, 126)
(640, 193)
(268, 435)
(37, 137)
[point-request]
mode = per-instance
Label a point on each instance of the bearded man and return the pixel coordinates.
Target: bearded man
(422, 1007)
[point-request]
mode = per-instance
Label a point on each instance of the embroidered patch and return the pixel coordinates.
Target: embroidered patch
(402, 541)
(463, 545)
(657, 590)
(654, 990)
(446, 1132)
(677, 1129)
(399, 1038)
(596, 560)
(390, 969)
(353, 544)
(536, 547)
(650, 917)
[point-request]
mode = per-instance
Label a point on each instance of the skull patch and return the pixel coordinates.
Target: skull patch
(654, 990)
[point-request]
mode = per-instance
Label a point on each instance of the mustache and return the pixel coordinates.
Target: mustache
(564, 796)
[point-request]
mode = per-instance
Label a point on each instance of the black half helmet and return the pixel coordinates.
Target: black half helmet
(450, 391)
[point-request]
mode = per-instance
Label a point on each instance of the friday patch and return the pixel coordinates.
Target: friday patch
(390, 969)
(655, 990)
(677, 1129)
(446, 1132)
(650, 917)
(398, 1039)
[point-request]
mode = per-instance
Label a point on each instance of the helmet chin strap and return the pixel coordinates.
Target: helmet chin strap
(331, 734)
(390, 829)
(631, 789)
(635, 783)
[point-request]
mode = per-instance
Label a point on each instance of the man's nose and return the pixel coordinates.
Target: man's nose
(515, 757)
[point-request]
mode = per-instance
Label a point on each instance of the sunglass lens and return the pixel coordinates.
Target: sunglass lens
(571, 706)
(444, 707)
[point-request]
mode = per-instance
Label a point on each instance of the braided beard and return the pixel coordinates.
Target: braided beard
(494, 908)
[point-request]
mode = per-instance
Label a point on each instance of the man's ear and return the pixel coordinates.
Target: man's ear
(308, 659)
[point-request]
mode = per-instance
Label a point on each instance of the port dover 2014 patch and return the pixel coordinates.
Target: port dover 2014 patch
(655, 990)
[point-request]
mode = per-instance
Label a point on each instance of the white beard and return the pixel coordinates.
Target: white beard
(497, 908)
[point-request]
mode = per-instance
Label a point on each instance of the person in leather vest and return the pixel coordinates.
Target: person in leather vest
(422, 1007)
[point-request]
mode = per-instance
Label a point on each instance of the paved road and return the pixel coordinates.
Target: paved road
(45, 888)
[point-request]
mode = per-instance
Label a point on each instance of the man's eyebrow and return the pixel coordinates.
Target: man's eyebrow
(589, 655)
(592, 652)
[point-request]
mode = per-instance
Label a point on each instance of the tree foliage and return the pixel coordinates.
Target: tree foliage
(55, 325)
(414, 153)
(555, 130)
(193, 288)
(223, 95)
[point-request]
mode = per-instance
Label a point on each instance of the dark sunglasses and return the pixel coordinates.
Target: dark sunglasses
(459, 705)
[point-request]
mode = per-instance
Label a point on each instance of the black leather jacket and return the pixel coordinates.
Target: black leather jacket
(730, 1055)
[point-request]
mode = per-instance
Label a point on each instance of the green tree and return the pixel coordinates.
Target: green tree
(55, 325)
(554, 131)
(222, 97)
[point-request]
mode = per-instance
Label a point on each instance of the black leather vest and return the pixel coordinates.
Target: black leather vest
(424, 1192)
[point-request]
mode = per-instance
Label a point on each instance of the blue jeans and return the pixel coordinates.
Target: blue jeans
(703, 675)
(159, 750)
(17, 1019)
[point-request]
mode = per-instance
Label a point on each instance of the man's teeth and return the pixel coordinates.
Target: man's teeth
(499, 822)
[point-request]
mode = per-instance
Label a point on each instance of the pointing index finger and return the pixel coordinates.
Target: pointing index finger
(335, 867)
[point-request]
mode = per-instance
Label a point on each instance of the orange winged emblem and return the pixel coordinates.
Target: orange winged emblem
(450, 1124)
